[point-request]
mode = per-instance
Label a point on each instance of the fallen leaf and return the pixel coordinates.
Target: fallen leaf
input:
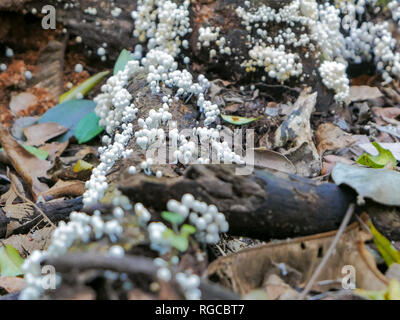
(390, 113)
(88, 128)
(384, 159)
(384, 246)
(20, 124)
(331, 137)
(82, 165)
(68, 114)
(329, 162)
(394, 148)
(246, 270)
(380, 185)
(38, 134)
(277, 289)
(124, 57)
(363, 93)
(392, 130)
(236, 120)
(273, 160)
(392, 292)
(12, 284)
(10, 261)
(84, 87)
(38, 153)
(54, 149)
(70, 188)
(22, 101)
(28, 166)
(27, 243)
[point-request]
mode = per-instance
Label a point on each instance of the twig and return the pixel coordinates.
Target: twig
(325, 259)
(129, 264)
(86, 261)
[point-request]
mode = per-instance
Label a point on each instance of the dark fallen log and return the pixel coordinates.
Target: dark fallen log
(57, 211)
(263, 205)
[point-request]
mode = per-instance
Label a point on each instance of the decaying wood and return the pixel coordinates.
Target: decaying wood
(263, 205)
(55, 210)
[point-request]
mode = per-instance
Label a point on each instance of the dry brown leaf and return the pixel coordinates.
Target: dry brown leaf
(363, 93)
(71, 188)
(331, 137)
(12, 284)
(329, 162)
(29, 167)
(391, 112)
(22, 101)
(245, 271)
(79, 155)
(54, 149)
(27, 243)
(277, 289)
(273, 160)
(38, 134)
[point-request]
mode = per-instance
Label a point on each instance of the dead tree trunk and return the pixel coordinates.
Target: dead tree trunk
(95, 30)
(263, 205)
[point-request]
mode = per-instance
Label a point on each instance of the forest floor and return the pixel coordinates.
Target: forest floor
(44, 167)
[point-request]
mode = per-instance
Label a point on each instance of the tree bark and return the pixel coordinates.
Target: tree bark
(263, 205)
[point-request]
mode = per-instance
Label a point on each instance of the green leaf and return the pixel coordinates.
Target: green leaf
(187, 230)
(10, 262)
(84, 87)
(38, 153)
(172, 217)
(238, 120)
(177, 241)
(88, 128)
(392, 292)
(68, 114)
(385, 248)
(384, 158)
(180, 242)
(124, 57)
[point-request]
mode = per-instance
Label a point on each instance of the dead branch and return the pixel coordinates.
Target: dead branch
(262, 205)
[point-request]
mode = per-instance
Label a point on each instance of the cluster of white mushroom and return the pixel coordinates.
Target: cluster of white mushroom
(334, 77)
(91, 10)
(189, 284)
(207, 36)
(187, 281)
(334, 26)
(394, 7)
(164, 24)
(81, 227)
(206, 218)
